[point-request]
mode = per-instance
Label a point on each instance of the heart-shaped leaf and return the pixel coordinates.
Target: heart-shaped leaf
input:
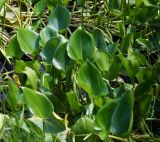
(122, 118)
(91, 80)
(104, 61)
(28, 40)
(38, 103)
(116, 116)
(46, 34)
(81, 46)
(83, 125)
(104, 116)
(51, 48)
(99, 38)
(13, 48)
(59, 18)
(39, 7)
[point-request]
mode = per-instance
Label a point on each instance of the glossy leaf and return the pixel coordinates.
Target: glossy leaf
(32, 76)
(83, 125)
(46, 34)
(21, 65)
(38, 103)
(104, 61)
(53, 125)
(39, 7)
(99, 38)
(59, 18)
(104, 116)
(145, 43)
(28, 40)
(116, 116)
(35, 129)
(59, 60)
(81, 46)
(51, 48)
(13, 48)
(51, 4)
(91, 80)
(122, 118)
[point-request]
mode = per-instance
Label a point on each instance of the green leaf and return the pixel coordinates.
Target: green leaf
(143, 87)
(145, 103)
(91, 80)
(139, 3)
(21, 65)
(114, 4)
(104, 116)
(144, 75)
(59, 60)
(121, 29)
(46, 34)
(116, 116)
(53, 3)
(81, 2)
(99, 38)
(32, 76)
(39, 7)
(145, 43)
(83, 125)
(152, 3)
(28, 72)
(12, 95)
(81, 46)
(104, 61)
(122, 118)
(143, 15)
(83, 129)
(130, 66)
(51, 48)
(114, 69)
(38, 103)
(28, 40)
(137, 58)
(47, 81)
(13, 48)
(74, 103)
(2, 2)
(53, 125)
(126, 43)
(35, 129)
(59, 18)
(3, 120)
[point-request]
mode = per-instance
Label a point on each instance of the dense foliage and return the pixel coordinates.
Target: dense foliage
(73, 71)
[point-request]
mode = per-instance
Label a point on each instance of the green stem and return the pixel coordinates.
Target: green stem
(150, 133)
(117, 138)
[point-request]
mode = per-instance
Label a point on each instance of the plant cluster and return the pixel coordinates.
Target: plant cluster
(79, 70)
